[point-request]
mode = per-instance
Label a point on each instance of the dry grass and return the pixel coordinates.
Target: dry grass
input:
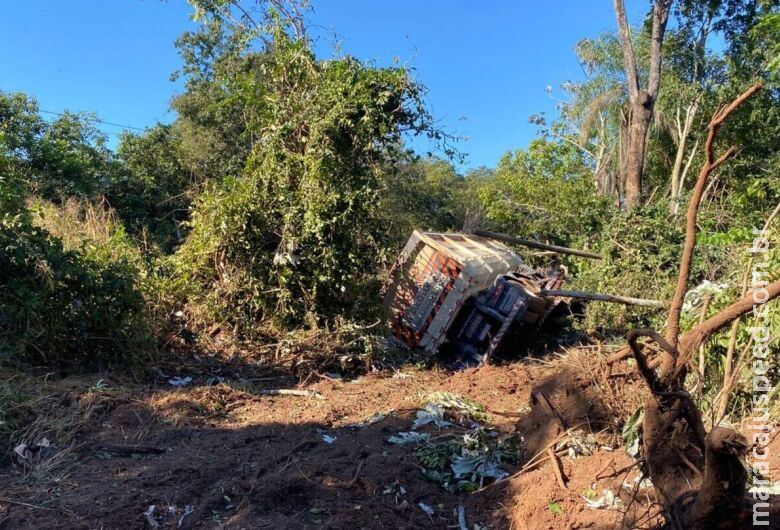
(76, 222)
(622, 391)
(36, 408)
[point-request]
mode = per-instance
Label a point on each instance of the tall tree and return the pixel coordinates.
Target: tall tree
(641, 100)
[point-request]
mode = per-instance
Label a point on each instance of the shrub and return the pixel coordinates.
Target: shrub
(64, 301)
(299, 234)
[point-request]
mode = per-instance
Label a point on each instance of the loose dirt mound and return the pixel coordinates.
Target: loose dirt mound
(227, 456)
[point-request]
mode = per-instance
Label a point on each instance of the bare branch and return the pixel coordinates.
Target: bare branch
(628, 49)
(660, 18)
(673, 327)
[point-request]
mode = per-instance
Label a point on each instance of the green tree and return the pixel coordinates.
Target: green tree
(298, 232)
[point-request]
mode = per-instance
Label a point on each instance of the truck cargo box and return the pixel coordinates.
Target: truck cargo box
(432, 278)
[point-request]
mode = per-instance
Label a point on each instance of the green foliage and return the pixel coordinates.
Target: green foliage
(61, 306)
(425, 194)
(152, 191)
(298, 233)
(545, 193)
(641, 250)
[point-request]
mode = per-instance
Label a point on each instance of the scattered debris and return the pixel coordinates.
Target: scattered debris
(149, 514)
(464, 464)
(695, 297)
(431, 413)
(449, 400)
(609, 501)
(402, 375)
(328, 439)
(774, 489)
(41, 450)
(462, 524)
(577, 444)
(395, 487)
(640, 483)
(404, 438)
(188, 510)
(287, 392)
(426, 508)
(371, 420)
(631, 433)
(180, 381)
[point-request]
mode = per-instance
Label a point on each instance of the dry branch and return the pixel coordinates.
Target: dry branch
(556, 468)
(673, 328)
(535, 244)
(286, 392)
(674, 435)
(616, 299)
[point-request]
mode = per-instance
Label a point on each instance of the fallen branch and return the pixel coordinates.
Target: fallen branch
(286, 392)
(556, 468)
(127, 449)
(615, 299)
(535, 244)
(357, 474)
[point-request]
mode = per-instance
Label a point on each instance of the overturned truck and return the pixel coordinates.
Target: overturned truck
(463, 291)
(464, 294)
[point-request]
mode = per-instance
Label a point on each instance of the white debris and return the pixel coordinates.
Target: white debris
(403, 438)
(641, 484)
(426, 508)
(695, 296)
(431, 413)
(474, 464)
(328, 439)
(462, 524)
(21, 450)
(371, 420)
(609, 501)
(149, 514)
(188, 510)
(180, 381)
(39, 451)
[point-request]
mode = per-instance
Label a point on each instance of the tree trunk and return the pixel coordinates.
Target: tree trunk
(641, 100)
(639, 124)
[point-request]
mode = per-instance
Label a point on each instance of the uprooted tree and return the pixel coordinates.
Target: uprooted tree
(699, 475)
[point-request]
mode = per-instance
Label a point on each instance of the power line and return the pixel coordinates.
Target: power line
(97, 121)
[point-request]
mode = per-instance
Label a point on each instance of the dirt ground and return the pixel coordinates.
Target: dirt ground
(222, 454)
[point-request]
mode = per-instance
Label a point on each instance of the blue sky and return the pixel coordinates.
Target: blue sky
(486, 63)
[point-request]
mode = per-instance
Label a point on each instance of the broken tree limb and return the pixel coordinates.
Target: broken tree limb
(286, 392)
(556, 468)
(625, 300)
(535, 244)
(710, 164)
(674, 461)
